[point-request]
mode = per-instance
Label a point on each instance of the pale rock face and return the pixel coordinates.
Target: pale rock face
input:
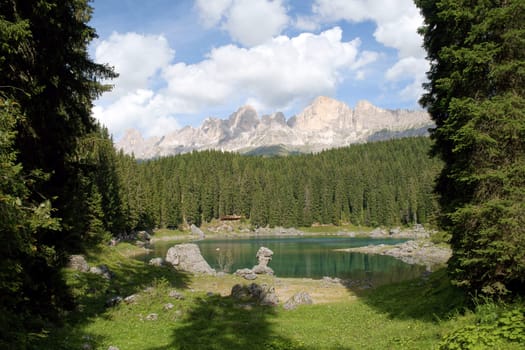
(324, 113)
(326, 123)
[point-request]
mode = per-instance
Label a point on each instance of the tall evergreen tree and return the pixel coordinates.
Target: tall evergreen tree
(476, 96)
(46, 71)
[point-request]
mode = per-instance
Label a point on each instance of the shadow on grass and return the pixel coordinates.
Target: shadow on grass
(428, 299)
(93, 294)
(219, 323)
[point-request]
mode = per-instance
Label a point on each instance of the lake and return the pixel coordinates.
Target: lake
(312, 257)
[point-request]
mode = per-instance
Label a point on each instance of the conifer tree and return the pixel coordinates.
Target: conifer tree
(46, 71)
(476, 96)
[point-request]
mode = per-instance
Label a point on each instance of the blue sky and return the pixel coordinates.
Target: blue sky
(181, 61)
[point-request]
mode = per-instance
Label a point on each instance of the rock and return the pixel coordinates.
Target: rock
(168, 306)
(101, 270)
(141, 244)
(378, 233)
(411, 252)
(246, 274)
(334, 280)
(176, 295)
(86, 346)
(261, 294)
(197, 231)
(394, 231)
(245, 130)
(143, 236)
(262, 270)
(152, 317)
(264, 256)
(113, 348)
(300, 298)
(78, 262)
(114, 301)
(156, 262)
(187, 257)
(130, 299)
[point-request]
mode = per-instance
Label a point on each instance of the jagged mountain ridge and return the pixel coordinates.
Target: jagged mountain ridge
(326, 123)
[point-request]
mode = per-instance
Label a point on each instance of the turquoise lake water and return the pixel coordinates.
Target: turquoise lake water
(312, 257)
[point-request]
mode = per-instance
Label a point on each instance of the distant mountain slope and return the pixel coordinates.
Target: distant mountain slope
(326, 123)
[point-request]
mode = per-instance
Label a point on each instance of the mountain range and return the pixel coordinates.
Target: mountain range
(324, 124)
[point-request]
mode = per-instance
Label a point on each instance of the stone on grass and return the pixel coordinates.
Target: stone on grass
(113, 348)
(300, 298)
(174, 294)
(152, 317)
(114, 301)
(262, 270)
(78, 262)
(156, 262)
(187, 257)
(168, 306)
(260, 294)
(101, 270)
(130, 299)
(246, 274)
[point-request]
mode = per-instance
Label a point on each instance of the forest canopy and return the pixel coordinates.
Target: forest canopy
(384, 183)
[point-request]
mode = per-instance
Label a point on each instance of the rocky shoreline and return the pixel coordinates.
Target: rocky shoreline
(420, 252)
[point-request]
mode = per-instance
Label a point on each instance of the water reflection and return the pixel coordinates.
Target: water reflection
(312, 257)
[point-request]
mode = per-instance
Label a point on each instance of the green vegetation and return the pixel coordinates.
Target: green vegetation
(384, 183)
(64, 190)
(426, 313)
(476, 96)
(52, 199)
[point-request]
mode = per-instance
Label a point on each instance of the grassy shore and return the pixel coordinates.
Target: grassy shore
(416, 314)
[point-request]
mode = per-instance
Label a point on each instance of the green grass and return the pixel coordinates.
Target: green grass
(410, 315)
(164, 232)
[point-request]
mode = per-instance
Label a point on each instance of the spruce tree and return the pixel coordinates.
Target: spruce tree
(476, 96)
(46, 72)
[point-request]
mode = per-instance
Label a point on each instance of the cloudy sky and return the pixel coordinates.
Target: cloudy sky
(181, 61)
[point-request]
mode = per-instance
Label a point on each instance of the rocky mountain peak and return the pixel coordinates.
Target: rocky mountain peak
(324, 113)
(326, 123)
(244, 119)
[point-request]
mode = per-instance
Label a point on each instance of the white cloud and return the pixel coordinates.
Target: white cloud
(306, 23)
(211, 12)
(248, 22)
(135, 57)
(274, 75)
(412, 69)
(141, 109)
(253, 22)
(397, 22)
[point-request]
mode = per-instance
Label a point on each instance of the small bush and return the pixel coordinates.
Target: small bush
(494, 329)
